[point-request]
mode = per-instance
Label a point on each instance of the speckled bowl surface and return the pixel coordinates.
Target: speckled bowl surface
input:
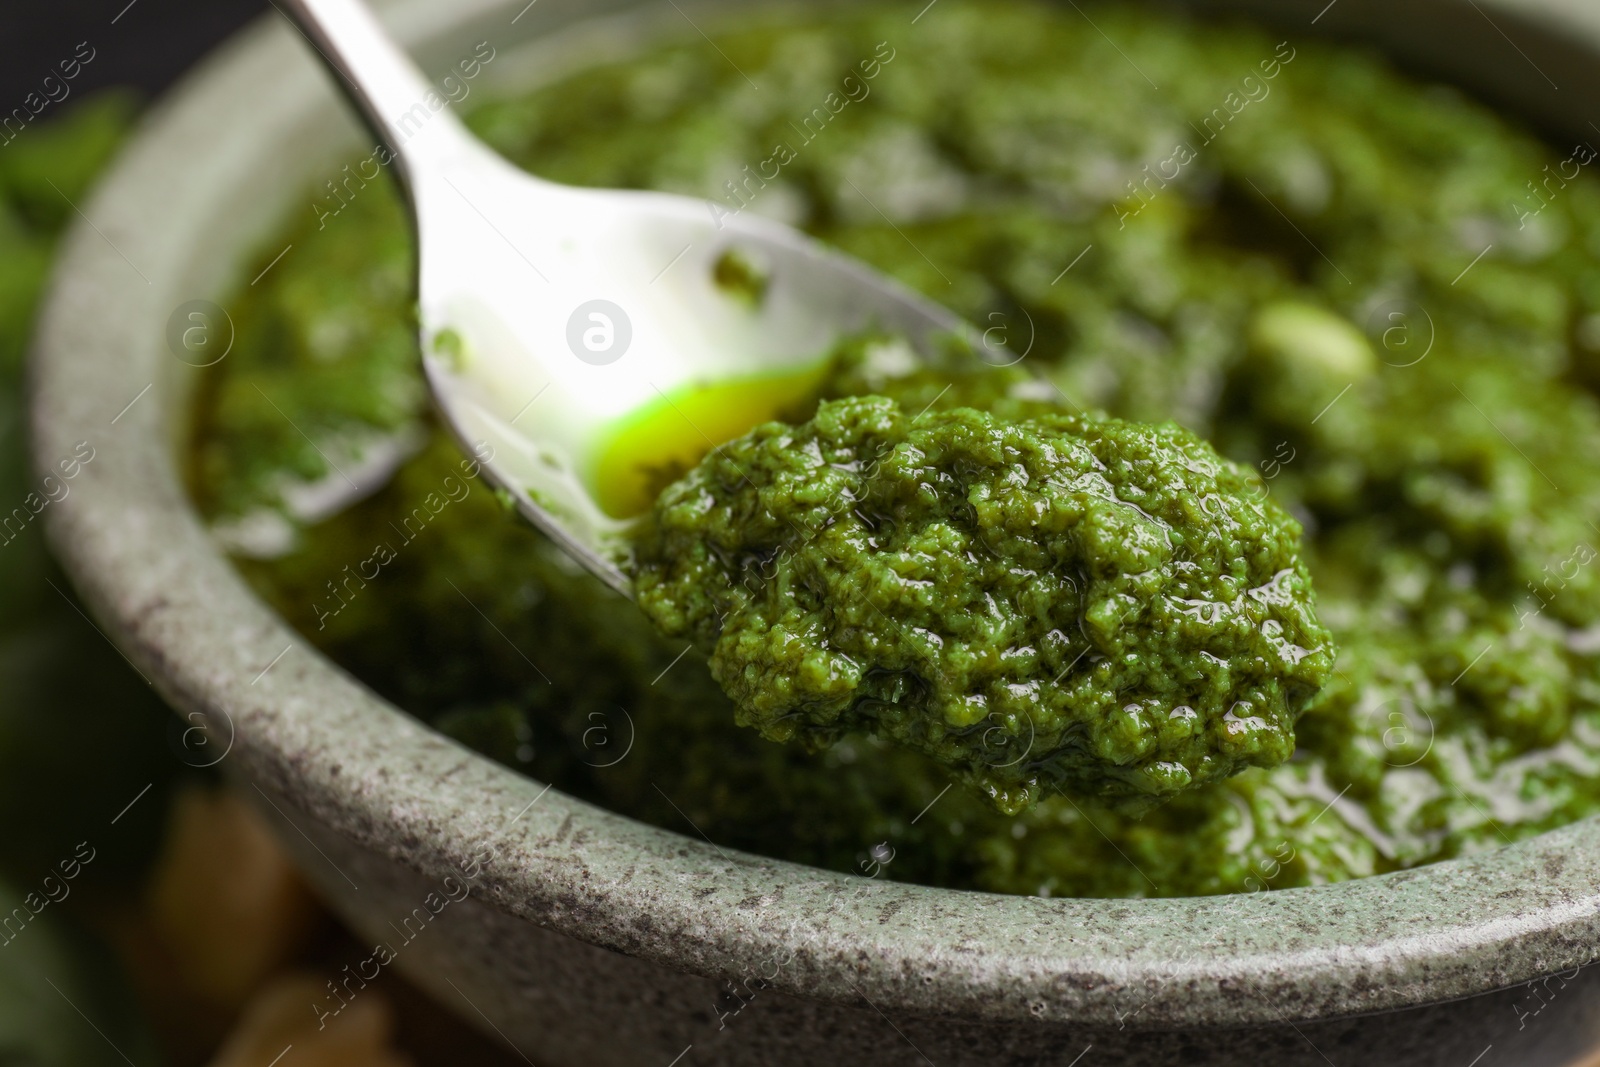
(588, 937)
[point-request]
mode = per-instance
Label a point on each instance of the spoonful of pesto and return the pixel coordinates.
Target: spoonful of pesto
(1034, 601)
(1030, 597)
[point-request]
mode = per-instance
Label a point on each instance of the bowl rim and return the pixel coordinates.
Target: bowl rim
(296, 726)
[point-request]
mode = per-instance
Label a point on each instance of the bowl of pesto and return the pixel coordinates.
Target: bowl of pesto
(1204, 669)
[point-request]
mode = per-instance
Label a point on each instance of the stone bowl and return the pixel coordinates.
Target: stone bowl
(579, 936)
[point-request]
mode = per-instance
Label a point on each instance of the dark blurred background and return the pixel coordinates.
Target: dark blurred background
(149, 45)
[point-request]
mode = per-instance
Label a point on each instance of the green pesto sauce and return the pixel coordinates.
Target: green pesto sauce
(1300, 277)
(1053, 601)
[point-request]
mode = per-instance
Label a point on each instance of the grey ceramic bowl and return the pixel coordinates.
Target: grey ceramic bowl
(588, 938)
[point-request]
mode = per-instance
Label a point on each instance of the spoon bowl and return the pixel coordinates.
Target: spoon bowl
(550, 314)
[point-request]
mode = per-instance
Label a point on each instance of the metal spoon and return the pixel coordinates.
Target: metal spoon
(550, 312)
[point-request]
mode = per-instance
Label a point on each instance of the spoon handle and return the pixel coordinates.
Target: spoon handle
(407, 114)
